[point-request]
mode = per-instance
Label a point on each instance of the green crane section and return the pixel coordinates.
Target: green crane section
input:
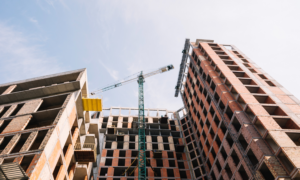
(141, 116)
(141, 128)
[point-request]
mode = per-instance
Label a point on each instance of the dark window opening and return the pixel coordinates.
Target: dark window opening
(266, 173)
(108, 162)
(20, 143)
(224, 154)
(236, 124)
(103, 171)
(243, 173)
(182, 174)
(159, 163)
(121, 162)
(228, 171)
(235, 158)
(252, 157)
(218, 166)
(229, 112)
(243, 142)
(229, 140)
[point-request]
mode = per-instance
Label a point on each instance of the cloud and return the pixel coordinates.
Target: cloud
(20, 58)
(113, 73)
(34, 21)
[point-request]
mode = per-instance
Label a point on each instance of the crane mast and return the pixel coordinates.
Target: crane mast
(141, 116)
(141, 128)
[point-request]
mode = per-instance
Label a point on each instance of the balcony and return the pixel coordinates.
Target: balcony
(86, 152)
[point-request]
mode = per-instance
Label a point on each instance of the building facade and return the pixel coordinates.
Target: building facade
(241, 124)
(165, 154)
(44, 131)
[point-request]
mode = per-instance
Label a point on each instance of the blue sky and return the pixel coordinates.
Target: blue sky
(115, 39)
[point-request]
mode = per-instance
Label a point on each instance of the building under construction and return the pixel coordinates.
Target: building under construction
(237, 123)
(241, 124)
(45, 132)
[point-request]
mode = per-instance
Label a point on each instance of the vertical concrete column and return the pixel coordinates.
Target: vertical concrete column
(9, 89)
(130, 119)
(69, 154)
(110, 172)
(171, 143)
(150, 172)
(102, 161)
(71, 172)
(114, 145)
(163, 172)
(126, 138)
(109, 121)
(126, 145)
(101, 120)
(160, 143)
(176, 172)
(177, 125)
(150, 120)
(149, 142)
(120, 122)
(75, 136)
(136, 142)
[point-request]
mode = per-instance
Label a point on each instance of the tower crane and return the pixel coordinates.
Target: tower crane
(141, 117)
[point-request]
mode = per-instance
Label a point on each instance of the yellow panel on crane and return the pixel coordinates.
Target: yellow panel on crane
(92, 104)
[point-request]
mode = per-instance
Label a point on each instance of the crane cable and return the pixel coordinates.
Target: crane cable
(133, 170)
(129, 167)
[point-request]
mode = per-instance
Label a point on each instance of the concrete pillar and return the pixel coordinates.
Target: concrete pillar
(114, 145)
(171, 143)
(102, 161)
(177, 125)
(109, 123)
(130, 119)
(71, 172)
(136, 142)
(110, 119)
(126, 145)
(75, 136)
(150, 120)
(126, 138)
(120, 125)
(149, 142)
(160, 143)
(69, 154)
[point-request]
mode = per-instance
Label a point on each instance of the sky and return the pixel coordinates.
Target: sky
(114, 39)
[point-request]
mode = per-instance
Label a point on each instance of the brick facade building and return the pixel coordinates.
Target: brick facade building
(165, 156)
(44, 132)
(241, 124)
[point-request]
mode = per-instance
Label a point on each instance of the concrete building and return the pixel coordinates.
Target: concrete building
(45, 133)
(166, 158)
(241, 124)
